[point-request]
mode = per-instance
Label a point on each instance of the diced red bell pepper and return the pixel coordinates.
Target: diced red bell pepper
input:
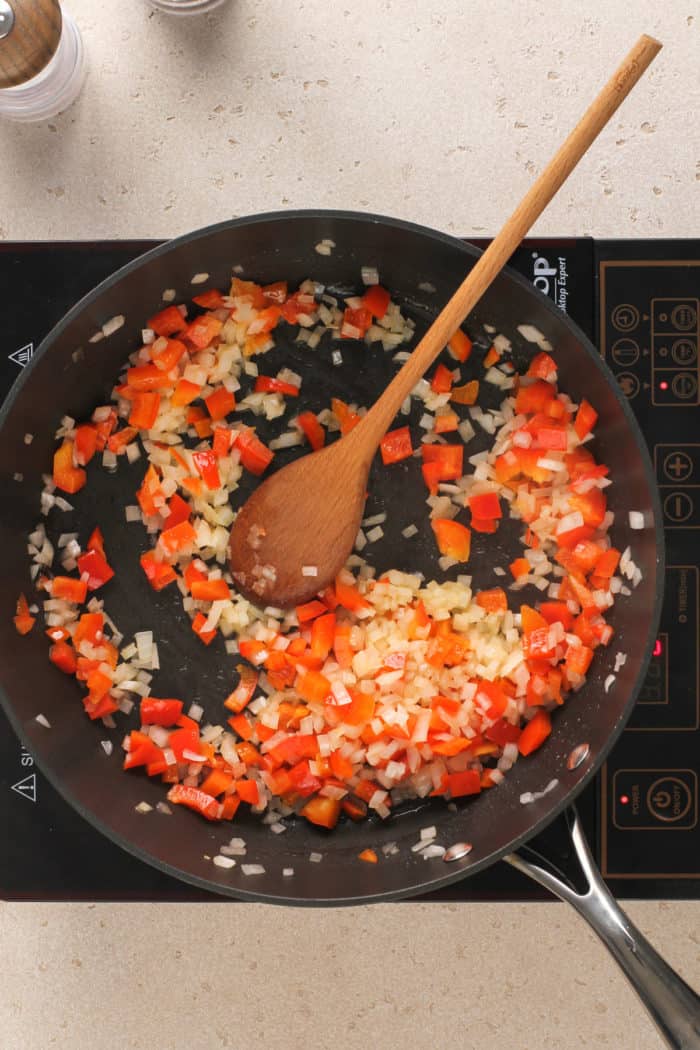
(193, 798)
(396, 445)
(205, 462)
(220, 404)
(142, 750)
(360, 711)
(167, 321)
(269, 385)
(106, 705)
(23, 619)
(145, 378)
(467, 394)
(166, 357)
(96, 541)
(310, 610)
(203, 330)
(586, 419)
(255, 456)
(177, 538)
(185, 393)
(304, 782)
(578, 659)
(557, 612)
(298, 305)
(241, 725)
(607, 563)
(551, 436)
(534, 398)
(441, 382)
(460, 346)
(205, 636)
(265, 321)
(322, 811)
(247, 791)
(314, 687)
(118, 441)
(348, 595)
(63, 656)
(179, 510)
(341, 767)
(97, 569)
(535, 732)
(229, 807)
(216, 782)
(249, 290)
(342, 650)
(245, 690)
(90, 629)
(492, 356)
(519, 567)
(376, 299)
(144, 410)
(432, 475)
(156, 712)
(67, 477)
(485, 505)
(461, 784)
(185, 738)
(150, 490)
(543, 366)
(592, 506)
(346, 417)
(85, 443)
(355, 322)
(313, 431)
(253, 650)
(68, 588)
(210, 590)
(453, 539)
(276, 292)
(493, 600)
(158, 573)
(446, 421)
(488, 525)
(322, 635)
(449, 459)
(211, 299)
(503, 733)
(569, 539)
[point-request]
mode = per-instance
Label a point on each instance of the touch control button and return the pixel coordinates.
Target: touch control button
(669, 799)
(625, 352)
(625, 317)
(655, 799)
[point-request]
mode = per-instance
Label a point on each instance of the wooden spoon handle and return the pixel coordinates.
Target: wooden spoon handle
(502, 247)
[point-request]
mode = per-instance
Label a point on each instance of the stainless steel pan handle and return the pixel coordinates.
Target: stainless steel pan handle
(673, 1005)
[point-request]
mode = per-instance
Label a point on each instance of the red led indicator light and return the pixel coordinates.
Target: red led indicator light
(624, 799)
(658, 648)
(663, 385)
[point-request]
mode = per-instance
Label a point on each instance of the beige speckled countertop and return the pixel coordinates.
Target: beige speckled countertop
(438, 111)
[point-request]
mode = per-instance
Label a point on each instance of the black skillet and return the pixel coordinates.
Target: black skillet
(69, 374)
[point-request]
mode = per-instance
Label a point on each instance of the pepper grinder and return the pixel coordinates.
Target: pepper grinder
(41, 59)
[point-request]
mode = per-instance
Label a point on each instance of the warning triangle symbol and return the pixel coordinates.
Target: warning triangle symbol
(23, 356)
(26, 787)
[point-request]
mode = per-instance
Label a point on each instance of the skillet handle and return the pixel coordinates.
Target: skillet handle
(673, 1005)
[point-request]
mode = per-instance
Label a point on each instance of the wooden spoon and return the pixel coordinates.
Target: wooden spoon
(294, 534)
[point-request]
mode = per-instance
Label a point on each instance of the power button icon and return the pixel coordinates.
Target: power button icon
(669, 799)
